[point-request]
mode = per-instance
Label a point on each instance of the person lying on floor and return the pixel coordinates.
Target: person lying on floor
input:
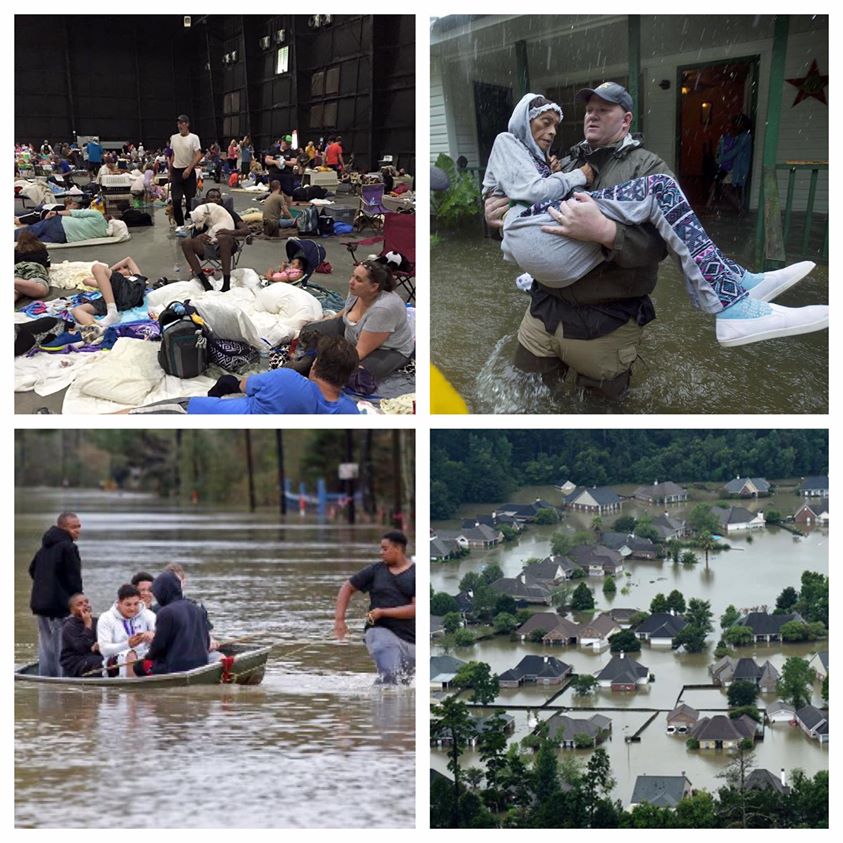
(71, 225)
(122, 287)
(278, 391)
(32, 267)
(215, 238)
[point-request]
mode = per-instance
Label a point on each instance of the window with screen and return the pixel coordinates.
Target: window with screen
(282, 58)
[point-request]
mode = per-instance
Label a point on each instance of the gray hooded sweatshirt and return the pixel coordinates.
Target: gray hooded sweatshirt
(512, 171)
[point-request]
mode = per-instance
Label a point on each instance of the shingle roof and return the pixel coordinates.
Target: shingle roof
(722, 728)
(660, 490)
(541, 620)
(662, 625)
(624, 670)
(684, 712)
(603, 495)
(661, 791)
(565, 728)
(813, 718)
(762, 623)
(540, 666)
(519, 590)
(812, 483)
(444, 668)
(761, 779)
(739, 482)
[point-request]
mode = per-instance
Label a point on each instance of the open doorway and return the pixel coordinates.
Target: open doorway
(492, 108)
(710, 97)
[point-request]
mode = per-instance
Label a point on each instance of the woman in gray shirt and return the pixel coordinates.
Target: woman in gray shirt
(374, 320)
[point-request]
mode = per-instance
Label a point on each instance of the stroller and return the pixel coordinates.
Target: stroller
(312, 255)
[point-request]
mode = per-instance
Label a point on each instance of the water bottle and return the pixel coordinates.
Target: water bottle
(264, 352)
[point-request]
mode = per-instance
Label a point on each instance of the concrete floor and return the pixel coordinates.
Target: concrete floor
(157, 252)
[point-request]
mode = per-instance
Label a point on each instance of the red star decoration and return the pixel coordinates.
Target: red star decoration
(811, 85)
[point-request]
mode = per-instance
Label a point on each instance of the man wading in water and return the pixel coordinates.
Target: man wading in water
(390, 632)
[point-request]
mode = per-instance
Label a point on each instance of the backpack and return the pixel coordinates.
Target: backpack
(307, 222)
(326, 225)
(184, 344)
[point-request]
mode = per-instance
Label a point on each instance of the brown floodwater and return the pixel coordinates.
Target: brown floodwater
(475, 311)
(751, 574)
(315, 745)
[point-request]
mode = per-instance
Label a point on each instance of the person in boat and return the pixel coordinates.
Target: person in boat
(125, 631)
(80, 650)
(390, 631)
(56, 573)
(179, 571)
(181, 638)
(142, 581)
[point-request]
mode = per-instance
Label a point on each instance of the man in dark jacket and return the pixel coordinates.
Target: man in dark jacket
(80, 652)
(181, 638)
(56, 572)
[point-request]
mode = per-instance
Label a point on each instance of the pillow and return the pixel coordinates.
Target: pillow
(289, 302)
(125, 375)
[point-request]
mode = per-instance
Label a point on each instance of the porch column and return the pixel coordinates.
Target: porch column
(522, 69)
(634, 61)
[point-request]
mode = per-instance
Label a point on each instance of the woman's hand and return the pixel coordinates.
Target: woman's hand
(589, 174)
(555, 166)
(494, 210)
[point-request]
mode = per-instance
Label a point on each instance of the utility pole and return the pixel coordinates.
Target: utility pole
(282, 482)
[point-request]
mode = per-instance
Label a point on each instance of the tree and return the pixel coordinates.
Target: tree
(699, 614)
(561, 595)
(491, 573)
(505, 623)
(702, 519)
(730, 617)
(452, 720)
(637, 618)
(452, 622)
(583, 740)
(739, 636)
(597, 782)
(510, 534)
(648, 531)
(676, 602)
(507, 604)
(584, 684)
(824, 691)
(735, 774)
(797, 677)
(696, 811)
(773, 516)
(442, 603)
(691, 637)
(674, 550)
(659, 604)
(707, 543)
(609, 586)
(597, 523)
(470, 581)
(547, 516)
(582, 599)
(561, 543)
(813, 597)
(624, 641)
(464, 638)
(688, 557)
(742, 693)
(624, 524)
(479, 679)
(786, 600)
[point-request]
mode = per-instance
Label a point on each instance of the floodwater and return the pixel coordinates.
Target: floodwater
(750, 575)
(315, 745)
(476, 309)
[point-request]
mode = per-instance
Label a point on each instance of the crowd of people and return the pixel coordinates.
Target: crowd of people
(372, 335)
(152, 628)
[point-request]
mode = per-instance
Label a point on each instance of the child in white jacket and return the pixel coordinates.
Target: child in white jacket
(125, 631)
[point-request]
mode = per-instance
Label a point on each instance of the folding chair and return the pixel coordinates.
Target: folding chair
(371, 211)
(214, 261)
(399, 235)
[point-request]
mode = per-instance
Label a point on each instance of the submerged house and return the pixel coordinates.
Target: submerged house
(766, 627)
(661, 493)
(521, 592)
(660, 791)
(737, 518)
(814, 487)
(722, 732)
(595, 633)
(597, 560)
(535, 670)
(597, 499)
(660, 629)
(812, 513)
(747, 487)
(568, 730)
(682, 719)
(443, 670)
(623, 674)
(813, 722)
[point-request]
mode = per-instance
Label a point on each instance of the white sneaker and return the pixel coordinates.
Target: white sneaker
(752, 321)
(779, 280)
(181, 231)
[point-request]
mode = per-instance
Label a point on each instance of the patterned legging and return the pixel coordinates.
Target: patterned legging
(658, 199)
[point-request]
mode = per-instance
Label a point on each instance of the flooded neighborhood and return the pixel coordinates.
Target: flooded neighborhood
(659, 622)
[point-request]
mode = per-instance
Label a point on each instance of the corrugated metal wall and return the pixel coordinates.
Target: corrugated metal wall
(127, 77)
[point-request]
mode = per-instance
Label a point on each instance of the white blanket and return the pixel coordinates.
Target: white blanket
(128, 376)
(256, 315)
(48, 373)
(71, 275)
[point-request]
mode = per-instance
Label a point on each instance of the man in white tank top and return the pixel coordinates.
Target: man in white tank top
(187, 153)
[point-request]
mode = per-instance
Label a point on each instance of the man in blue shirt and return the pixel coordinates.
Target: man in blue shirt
(94, 149)
(278, 392)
